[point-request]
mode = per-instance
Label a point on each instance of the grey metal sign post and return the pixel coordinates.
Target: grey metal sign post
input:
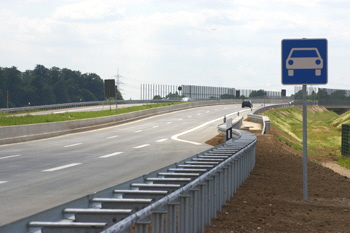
(304, 61)
(305, 167)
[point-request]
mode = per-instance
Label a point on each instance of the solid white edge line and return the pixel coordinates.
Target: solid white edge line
(61, 167)
(175, 137)
(110, 155)
(10, 156)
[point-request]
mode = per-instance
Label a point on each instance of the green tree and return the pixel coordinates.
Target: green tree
(227, 96)
(60, 91)
(119, 95)
(94, 84)
(298, 95)
(2, 99)
(173, 96)
(259, 93)
(13, 84)
(157, 97)
(49, 86)
(87, 95)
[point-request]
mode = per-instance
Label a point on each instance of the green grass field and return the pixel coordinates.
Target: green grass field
(7, 120)
(324, 131)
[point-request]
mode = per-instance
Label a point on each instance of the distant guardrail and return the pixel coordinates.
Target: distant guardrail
(79, 104)
(113, 102)
(264, 120)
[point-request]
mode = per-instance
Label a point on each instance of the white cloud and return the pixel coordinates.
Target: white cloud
(88, 10)
(220, 43)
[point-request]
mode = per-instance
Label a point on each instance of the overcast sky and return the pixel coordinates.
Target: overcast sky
(222, 43)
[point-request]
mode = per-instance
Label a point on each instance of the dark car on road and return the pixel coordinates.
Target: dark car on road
(247, 103)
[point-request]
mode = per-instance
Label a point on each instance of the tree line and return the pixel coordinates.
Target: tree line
(43, 86)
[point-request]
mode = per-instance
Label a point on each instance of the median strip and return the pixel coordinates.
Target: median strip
(61, 167)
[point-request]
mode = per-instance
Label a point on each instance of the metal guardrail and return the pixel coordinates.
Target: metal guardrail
(113, 102)
(260, 110)
(81, 104)
(264, 120)
(182, 197)
(236, 124)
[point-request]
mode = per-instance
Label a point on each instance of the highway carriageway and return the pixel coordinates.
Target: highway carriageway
(41, 174)
(187, 194)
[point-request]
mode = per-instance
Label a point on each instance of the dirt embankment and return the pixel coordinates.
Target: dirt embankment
(271, 199)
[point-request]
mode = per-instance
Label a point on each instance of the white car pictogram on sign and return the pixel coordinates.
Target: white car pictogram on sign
(304, 58)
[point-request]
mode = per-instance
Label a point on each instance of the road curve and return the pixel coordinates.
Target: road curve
(38, 175)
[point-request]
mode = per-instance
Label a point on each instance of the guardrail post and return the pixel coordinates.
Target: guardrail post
(216, 198)
(230, 179)
(202, 206)
(158, 221)
(210, 200)
(194, 209)
(240, 170)
(236, 174)
(184, 214)
(226, 185)
(221, 190)
(141, 227)
(171, 218)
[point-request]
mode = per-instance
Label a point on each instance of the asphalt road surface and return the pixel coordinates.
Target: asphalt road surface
(38, 175)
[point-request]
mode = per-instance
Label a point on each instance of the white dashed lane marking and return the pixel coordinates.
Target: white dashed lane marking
(3, 182)
(110, 155)
(112, 136)
(61, 167)
(141, 146)
(162, 140)
(10, 156)
(76, 144)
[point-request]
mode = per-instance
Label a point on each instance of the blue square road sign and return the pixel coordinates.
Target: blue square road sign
(304, 61)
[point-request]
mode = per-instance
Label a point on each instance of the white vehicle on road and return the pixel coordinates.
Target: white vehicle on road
(304, 58)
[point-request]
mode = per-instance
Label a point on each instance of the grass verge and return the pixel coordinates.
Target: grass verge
(323, 130)
(8, 120)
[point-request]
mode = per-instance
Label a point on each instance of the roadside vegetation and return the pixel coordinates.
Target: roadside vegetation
(324, 131)
(7, 120)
